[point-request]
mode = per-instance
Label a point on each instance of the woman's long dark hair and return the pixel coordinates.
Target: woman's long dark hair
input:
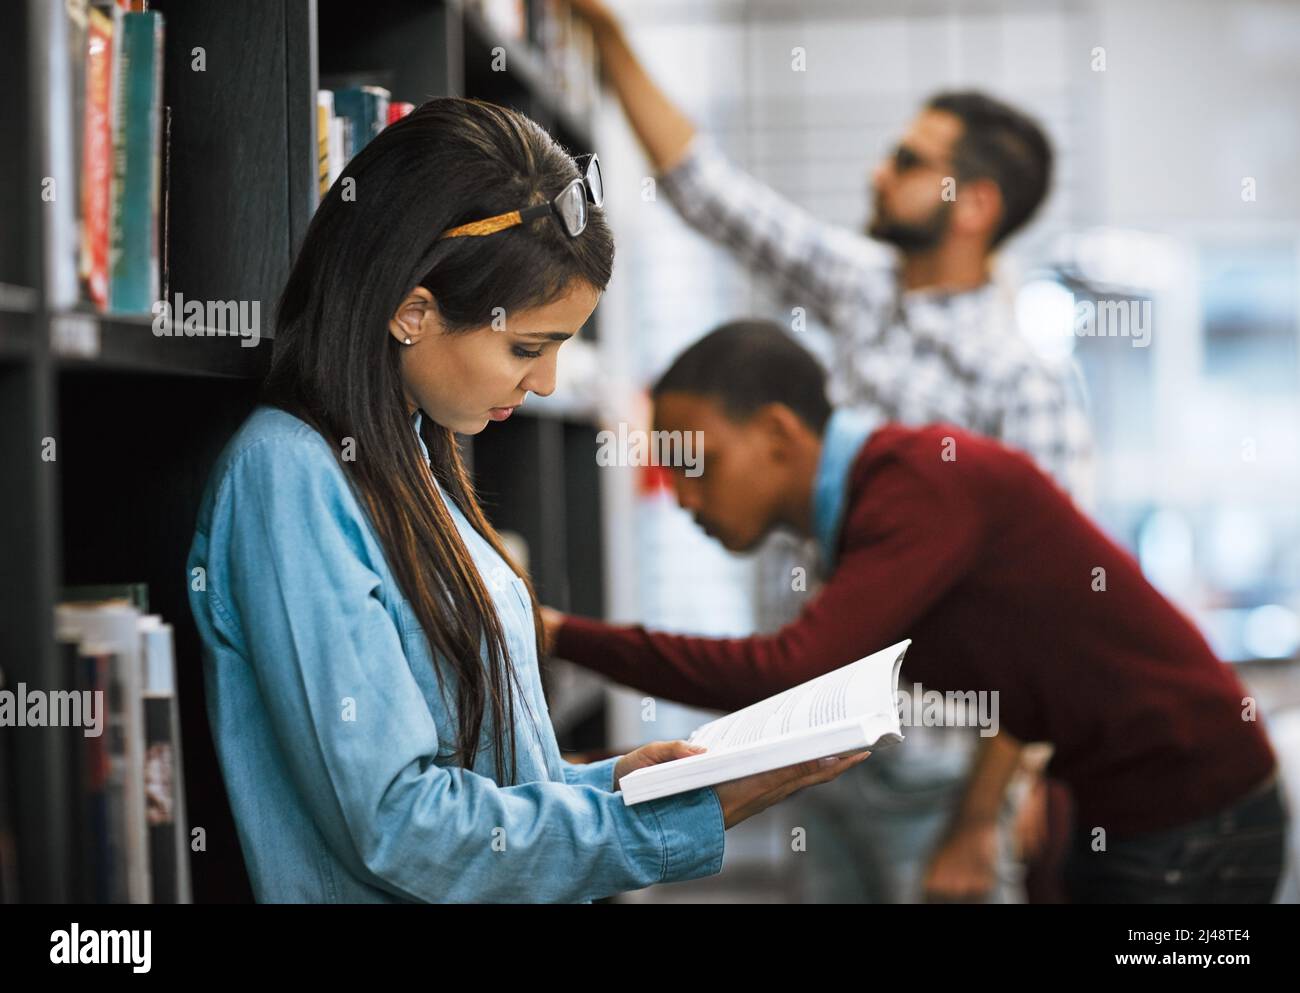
(336, 366)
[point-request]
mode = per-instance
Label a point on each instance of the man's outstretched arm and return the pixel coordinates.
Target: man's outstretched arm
(810, 262)
(665, 132)
(964, 865)
(916, 542)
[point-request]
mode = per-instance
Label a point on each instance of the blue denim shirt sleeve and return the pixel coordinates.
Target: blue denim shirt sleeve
(599, 774)
(292, 588)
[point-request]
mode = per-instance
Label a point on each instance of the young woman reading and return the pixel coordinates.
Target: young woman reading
(370, 650)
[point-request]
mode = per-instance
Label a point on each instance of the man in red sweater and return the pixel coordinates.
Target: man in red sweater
(962, 545)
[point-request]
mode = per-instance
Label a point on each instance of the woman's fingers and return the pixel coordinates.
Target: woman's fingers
(784, 782)
(676, 750)
(833, 766)
(824, 770)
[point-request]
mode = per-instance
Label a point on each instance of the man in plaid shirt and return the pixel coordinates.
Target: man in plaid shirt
(916, 353)
(920, 335)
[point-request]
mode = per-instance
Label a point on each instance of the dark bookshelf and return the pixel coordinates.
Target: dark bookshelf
(83, 340)
(139, 418)
(17, 334)
(522, 85)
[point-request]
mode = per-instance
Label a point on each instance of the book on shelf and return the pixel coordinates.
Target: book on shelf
(78, 40)
(105, 787)
(568, 50)
(562, 42)
(169, 862)
(110, 627)
(367, 108)
(324, 115)
(165, 196)
(340, 140)
(848, 710)
(129, 831)
(97, 150)
(346, 120)
(61, 25)
(96, 781)
(133, 280)
(118, 128)
(79, 761)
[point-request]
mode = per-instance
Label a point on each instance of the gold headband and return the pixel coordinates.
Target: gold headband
(489, 225)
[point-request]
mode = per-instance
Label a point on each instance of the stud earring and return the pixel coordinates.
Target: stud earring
(408, 341)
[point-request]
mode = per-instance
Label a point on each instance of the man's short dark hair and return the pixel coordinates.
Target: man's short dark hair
(747, 364)
(1005, 145)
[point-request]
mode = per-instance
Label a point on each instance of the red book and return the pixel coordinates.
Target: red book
(397, 109)
(97, 155)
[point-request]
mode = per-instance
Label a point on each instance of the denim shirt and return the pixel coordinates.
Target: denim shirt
(335, 741)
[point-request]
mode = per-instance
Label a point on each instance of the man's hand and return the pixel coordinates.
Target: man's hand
(598, 16)
(663, 130)
(964, 867)
(552, 621)
(1031, 821)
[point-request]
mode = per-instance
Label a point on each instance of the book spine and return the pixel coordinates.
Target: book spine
(184, 883)
(116, 831)
(78, 14)
(349, 140)
(129, 635)
(114, 124)
(349, 104)
(58, 69)
(338, 144)
(324, 111)
(155, 160)
(377, 108)
(77, 757)
(164, 240)
(133, 282)
(160, 798)
(97, 158)
(97, 670)
(114, 628)
(164, 790)
(367, 108)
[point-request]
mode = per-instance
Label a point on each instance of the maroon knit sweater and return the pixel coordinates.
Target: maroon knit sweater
(988, 567)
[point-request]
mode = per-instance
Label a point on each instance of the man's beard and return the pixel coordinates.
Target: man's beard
(911, 237)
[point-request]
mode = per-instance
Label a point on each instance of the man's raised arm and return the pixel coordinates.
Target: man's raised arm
(811, 263)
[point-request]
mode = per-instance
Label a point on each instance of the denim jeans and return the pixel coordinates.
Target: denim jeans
(871, 832)
(1233, 856)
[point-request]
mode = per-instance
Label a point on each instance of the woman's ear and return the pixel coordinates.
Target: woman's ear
(408, 325)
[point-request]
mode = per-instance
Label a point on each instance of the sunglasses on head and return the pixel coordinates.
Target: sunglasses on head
(570, 206)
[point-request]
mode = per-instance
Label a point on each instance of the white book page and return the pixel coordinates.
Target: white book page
(861, 689)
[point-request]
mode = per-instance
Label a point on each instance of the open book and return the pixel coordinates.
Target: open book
(844, 711)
